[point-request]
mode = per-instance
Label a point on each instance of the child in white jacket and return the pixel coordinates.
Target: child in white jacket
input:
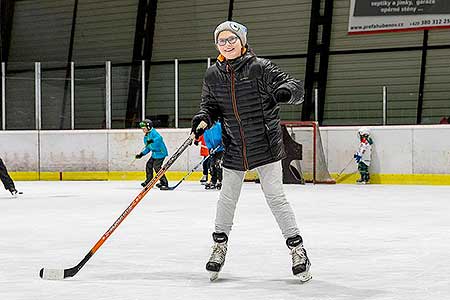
(364, 155)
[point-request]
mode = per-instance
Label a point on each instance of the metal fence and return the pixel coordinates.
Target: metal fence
(96, 97)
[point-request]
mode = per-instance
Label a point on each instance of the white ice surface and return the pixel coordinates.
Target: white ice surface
(364, 242)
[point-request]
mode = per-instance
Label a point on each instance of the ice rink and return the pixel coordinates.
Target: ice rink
(364, 242)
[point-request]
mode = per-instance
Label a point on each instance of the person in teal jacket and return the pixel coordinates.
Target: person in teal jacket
(154, 143)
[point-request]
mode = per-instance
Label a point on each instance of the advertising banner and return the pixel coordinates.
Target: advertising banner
(373, 16)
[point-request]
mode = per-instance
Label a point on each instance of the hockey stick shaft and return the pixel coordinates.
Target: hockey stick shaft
(194, 168)
(348, 164)
(134, 160)
(189, 173)
(59, 274)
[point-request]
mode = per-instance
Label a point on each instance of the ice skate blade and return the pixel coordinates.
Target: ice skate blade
(304, 277)
(213, 276)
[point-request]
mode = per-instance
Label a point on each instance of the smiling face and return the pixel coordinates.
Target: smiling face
(229, 45)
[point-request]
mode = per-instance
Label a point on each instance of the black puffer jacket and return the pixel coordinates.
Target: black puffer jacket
(241, 94)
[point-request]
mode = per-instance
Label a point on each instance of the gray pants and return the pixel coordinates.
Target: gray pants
(271, 177)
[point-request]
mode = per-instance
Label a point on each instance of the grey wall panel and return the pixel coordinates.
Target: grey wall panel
(191, 80)
(52, 100)
(439, 37)
(184, 29)
(436, 102)
(105, 31)
(90, 99)
(40, 32)
(275, 27)
(354, 90)
(340, 40)
(161, 94)
(120, 82)
(20, 103)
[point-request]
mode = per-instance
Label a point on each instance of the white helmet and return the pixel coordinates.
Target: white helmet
(363, 131)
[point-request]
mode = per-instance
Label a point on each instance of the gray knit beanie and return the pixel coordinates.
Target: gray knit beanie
(236, 28)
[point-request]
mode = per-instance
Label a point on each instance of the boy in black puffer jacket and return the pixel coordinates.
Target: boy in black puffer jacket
(244, 92)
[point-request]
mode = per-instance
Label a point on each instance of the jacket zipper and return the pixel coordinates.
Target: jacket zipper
(238, 118)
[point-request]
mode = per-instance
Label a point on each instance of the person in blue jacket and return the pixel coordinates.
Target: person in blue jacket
(213, 140)
(154, 143)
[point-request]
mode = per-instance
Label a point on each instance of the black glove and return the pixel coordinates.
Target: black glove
(139, 156)
(195, 122)
(149, 141)
(282, 95)
(196, 142)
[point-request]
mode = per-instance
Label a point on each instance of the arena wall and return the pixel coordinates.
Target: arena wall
(401, 154)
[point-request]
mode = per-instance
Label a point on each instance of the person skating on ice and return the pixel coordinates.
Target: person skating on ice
(244, 93)
(363, 156)
(204, 152)
(213, 140)
(7, 181)
(154, 143)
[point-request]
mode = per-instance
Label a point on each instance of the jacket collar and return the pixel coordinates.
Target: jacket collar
(236, 63)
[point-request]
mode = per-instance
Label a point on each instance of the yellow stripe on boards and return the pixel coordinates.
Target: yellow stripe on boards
(418, 179)
(24, 176)
(95, 175)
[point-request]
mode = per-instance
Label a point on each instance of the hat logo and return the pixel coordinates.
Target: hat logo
(234, 26)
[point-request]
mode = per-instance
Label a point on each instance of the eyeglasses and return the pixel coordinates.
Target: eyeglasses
(231, 40)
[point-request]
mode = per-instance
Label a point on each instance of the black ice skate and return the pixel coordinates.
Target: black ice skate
(163, 187)
(219, 185)
(300, 261)
(210, 186)
(14, 192)
(364, 179)
(217, 259)
(204, 179)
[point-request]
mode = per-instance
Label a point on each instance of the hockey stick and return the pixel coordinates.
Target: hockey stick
(345, 176)
(193, 169)
(340, 173)
(59, 274)
(348, 164)
(134, 160)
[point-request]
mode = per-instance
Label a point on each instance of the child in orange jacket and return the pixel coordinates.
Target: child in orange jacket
(205, 153)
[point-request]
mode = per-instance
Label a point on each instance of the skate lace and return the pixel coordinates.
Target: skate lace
(219, 250)
(298, 256)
